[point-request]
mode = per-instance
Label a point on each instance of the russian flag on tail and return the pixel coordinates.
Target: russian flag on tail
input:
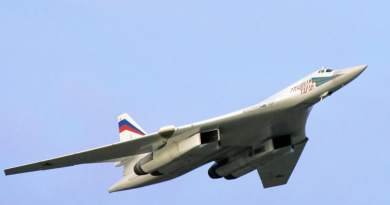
(128, 128)
(126, 125)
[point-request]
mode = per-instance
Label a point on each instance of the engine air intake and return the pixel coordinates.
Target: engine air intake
(282, 141)
(209, 137)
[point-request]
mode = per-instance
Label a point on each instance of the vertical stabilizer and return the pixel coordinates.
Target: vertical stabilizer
(128, 128)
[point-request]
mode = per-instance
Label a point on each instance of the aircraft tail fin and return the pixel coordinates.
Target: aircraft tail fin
(128, 128)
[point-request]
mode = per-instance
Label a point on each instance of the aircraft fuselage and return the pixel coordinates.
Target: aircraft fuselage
(285, 113)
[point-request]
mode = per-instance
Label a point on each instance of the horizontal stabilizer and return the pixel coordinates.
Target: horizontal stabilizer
(132, 147)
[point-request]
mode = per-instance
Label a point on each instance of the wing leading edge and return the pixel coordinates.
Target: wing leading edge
(278, 172)
(132, 147)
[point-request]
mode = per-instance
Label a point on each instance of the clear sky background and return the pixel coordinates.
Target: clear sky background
(69, 68)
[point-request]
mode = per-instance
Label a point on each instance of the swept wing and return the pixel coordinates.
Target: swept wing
(278, 172)
(132, 147)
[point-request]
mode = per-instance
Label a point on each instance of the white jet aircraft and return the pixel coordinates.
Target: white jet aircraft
(268, 137)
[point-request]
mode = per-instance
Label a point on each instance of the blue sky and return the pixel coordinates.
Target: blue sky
(69, 68)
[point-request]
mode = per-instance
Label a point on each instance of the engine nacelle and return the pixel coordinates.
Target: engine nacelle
(163, 158)
(165, 155)
(248, 160)
(269, 157)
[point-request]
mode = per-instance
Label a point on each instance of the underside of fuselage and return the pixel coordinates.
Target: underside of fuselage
(235, 137)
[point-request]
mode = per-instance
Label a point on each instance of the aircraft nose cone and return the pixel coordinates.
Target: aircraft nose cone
(355, 71)
(350, 74)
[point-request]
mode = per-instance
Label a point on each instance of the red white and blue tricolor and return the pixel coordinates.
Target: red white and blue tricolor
(126, 125)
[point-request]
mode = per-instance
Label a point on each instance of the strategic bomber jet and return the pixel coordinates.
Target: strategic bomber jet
(268, 137)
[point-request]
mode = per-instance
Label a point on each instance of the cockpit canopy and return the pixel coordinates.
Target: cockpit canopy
(325, 71)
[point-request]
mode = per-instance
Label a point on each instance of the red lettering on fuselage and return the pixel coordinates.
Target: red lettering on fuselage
(304, 87)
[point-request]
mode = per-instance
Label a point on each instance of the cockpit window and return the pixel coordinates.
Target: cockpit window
(322, 71)
(329, 70)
